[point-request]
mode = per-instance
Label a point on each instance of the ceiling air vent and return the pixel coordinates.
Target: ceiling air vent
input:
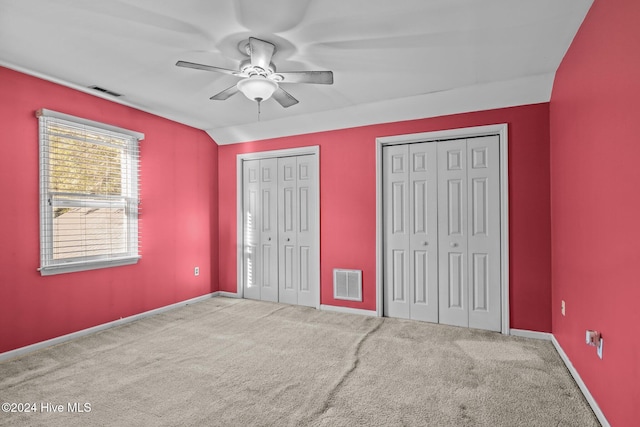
(103, 90)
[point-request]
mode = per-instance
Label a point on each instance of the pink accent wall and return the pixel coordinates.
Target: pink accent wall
(178, 221)
(595, 207)
(348, 204)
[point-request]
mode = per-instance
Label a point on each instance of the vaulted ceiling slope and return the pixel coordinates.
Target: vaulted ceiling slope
(392, 60)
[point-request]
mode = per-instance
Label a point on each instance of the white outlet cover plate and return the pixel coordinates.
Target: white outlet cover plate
(599, 348)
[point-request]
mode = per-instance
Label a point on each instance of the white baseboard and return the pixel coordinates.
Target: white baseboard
(225, 294)
(546, 336)
(74, 335)
(583, 387)
(348, 310)
(565, 359)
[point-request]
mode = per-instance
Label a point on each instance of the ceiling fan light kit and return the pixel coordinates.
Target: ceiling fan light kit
(257, 88)
(259, 78)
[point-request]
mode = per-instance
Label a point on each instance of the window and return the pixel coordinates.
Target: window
(89, 194)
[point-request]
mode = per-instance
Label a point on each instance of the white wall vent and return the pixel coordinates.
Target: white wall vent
(347, 284)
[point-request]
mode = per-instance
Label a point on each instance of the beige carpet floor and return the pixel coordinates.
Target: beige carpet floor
(229, 362)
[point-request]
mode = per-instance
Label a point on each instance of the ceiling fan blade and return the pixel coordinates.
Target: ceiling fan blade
(206, 68)
(260, 52)
(315, 77)
(227, 93)
(284, 98)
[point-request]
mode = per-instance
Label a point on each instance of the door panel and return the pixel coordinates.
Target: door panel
(420, 276)
(398, 192)
(395, 171)
(269, 230)
(452, 233)
(423, 232)
(399, 283)
(287, 253)
(420, 195)
(307, 285)
(456, 281)
(410, 246)
(480, 282)
(485, 311)
(454, 207)
(479, 206)
(251, 235)
(288, 208)
(305, 278)
(303, 200)
(288, 270)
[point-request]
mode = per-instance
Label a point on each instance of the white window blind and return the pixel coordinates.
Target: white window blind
(89, 194)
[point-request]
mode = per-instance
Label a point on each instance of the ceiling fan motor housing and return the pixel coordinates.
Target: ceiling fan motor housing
(252, 70)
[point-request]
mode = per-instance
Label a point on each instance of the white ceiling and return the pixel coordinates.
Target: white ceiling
(392, 60)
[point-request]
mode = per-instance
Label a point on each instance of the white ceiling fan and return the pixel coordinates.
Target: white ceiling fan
(259, 78)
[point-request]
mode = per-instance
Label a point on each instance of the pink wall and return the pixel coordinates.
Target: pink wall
(178, 220)
(348, 205)
(595, 208)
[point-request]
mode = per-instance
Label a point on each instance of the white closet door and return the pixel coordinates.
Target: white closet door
(395, 178)
(260, 222)
(452, 233)
(441, 209)
(251, 193)
(280, 229)
(423, 232)
(308, 288)
(484, 232)
(469, 232)
(287, 227)
(411, 239)
(268, 280)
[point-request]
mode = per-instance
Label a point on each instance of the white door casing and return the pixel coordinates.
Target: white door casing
(480, 264)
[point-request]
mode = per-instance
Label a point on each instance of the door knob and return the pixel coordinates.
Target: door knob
(425, 244)
(269, 239)
(454, 245)
(288, 239)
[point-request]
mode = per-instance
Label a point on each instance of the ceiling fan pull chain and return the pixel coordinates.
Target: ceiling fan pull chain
(259, 102)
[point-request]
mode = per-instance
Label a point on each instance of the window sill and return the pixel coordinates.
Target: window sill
(73, 267)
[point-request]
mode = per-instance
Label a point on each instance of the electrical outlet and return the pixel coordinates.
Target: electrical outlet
(196, 271)
(563, 306)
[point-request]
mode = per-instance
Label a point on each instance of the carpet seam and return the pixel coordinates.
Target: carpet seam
(334, 390)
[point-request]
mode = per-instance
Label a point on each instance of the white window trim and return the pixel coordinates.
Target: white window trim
(46, 237)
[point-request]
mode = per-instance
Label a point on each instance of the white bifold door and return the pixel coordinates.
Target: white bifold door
(441, 208)
(280, 224)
